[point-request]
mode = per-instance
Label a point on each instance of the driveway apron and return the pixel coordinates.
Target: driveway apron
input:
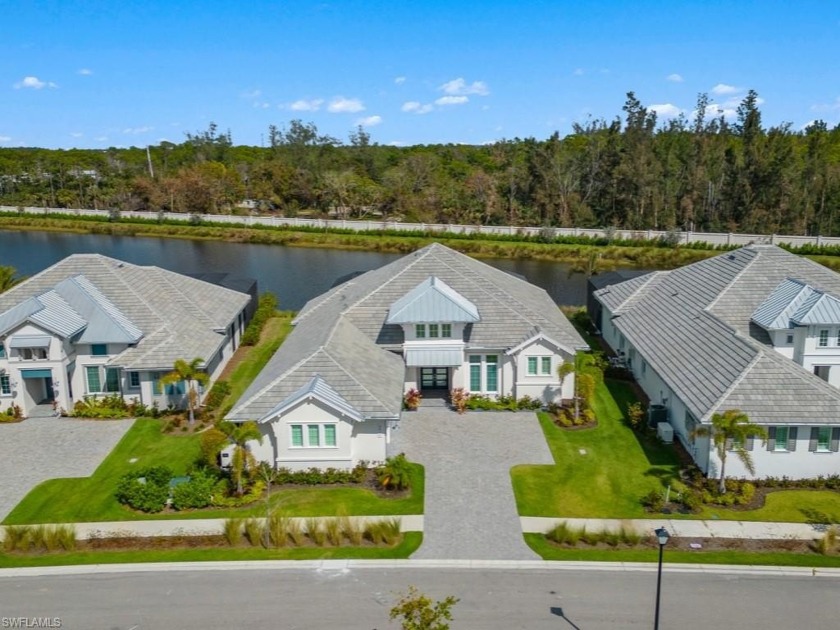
(470, 511)
(38, 449)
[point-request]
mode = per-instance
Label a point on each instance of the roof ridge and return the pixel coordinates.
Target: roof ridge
(646, 280)
(182, 296)
(735, 278)
(713, 409)
(402, 271)
(116, 321)
(355, 380)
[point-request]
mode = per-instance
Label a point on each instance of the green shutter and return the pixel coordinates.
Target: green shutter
(2, 351)
(93, 382)
(329, 435)
(314, 434)
(297, 435)
(532, 366)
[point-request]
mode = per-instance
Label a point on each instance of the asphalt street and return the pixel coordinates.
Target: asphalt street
(362, 597)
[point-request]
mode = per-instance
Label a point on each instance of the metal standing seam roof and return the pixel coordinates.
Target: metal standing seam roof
(692, 326)
(775, 312)
(29, 341)
(818, 308)
(440, 357)
(432, 301)
(317, 388)
(107, 323)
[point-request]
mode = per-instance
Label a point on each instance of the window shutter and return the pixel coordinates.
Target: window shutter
(835, 439)
(791, 443)
(812, 443)
(749, 443)
(771, 438)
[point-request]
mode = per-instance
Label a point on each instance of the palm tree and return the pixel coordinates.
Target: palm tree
(242, 460)
(8, 278)
(587, 372)
(192, 374)
(730, 430)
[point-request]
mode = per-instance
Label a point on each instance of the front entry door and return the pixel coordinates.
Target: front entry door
(48, 383)
(434, 378)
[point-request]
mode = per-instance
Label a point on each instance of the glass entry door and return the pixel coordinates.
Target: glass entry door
(434, 378)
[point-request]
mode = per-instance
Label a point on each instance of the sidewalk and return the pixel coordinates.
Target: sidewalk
(204, 527)
(757, 530)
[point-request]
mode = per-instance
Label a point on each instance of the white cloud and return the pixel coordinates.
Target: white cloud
(85, 72)
(723, 88)
(665, 110)
(458, 87)
(76, 134)
(578, 72)
(304, 105)
(5, 138)
(399, 80)
(341, 105)
(452, 100)
(34, 83)
(369, 121)
(251, 95)
(827, 107)
(417, 108)
(675, 78)
(101, 138)
(261, 105)
(137, 130)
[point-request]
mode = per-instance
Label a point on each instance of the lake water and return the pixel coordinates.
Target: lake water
(294, 274)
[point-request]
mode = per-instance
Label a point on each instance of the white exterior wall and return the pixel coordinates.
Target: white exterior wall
(369, 441)
(548, 387)
(812, 355)
(798, 464)
(27, 393)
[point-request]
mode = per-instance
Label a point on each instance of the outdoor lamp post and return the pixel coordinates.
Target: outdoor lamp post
(662, 537)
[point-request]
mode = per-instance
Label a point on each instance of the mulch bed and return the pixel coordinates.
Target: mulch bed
(711, 544)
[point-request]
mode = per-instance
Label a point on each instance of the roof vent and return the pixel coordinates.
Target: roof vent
(731, 257)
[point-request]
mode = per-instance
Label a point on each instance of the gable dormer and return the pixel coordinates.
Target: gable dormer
(432, 310)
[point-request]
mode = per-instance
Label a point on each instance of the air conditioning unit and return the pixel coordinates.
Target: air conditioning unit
(665, 432)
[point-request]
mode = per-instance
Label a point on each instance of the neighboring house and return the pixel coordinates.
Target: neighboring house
(93, 326)
(434, 320)
(755, 329)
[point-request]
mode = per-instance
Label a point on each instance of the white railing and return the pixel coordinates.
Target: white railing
(712, 238)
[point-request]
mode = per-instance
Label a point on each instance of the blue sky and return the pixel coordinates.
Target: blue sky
(98, 74)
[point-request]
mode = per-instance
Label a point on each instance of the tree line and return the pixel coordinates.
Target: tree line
(701, 172)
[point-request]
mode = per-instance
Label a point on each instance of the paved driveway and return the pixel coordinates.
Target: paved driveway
(470, 510)
(38, 449)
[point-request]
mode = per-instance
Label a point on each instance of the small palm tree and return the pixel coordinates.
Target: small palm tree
(8, 278)
(242, 460)
(732, 429)
(587, 372)
(192, 374)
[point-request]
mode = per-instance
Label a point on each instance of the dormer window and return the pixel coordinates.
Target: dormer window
(420, 331)
(446, 331)
(434, 331)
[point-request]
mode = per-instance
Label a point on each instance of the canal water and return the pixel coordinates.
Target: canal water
(293, 274)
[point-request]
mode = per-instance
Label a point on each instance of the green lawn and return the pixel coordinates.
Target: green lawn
(549, 551)
(605, 482)
(92, 498)
(620, 467)
(411, 541)
(274, 333)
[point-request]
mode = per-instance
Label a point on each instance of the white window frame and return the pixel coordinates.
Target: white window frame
(307, 444)
(446, 331)
(482, 371)
(822, 338)
(539, 365)
(8, 380)
(434, 331)
(131, 376)
(789, 339)
(420, 331)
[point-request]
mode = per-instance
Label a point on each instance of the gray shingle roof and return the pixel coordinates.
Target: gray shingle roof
(316, 388)
(692, 326)
(178, 316)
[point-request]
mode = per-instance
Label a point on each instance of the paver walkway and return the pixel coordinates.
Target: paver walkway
(38, 449)
(470, 511)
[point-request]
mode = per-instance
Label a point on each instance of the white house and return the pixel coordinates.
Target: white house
(434, 320)
(756, 329)
(91, 326)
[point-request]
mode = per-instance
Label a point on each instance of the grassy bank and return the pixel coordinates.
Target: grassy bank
(573, 250)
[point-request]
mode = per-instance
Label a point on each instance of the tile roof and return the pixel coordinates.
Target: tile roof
(177, 316)
(432, 301)
(318, 389)
(693, 327)
(344, 337)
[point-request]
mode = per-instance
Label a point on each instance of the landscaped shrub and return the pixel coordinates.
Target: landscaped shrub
(564, 534)
(110, 406)
(196, 493)
(232, 531)
(253, 530)
(47, 538)
(315, 531)
(527, 403)
(222, 497)
(459, 398)
(395, 473)
(218, 392)
(636, 416)
(265, 309)
(653, 501)
(212, 442)
(316, 476)
(146, 489)
(411, 399)
(278, 529)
